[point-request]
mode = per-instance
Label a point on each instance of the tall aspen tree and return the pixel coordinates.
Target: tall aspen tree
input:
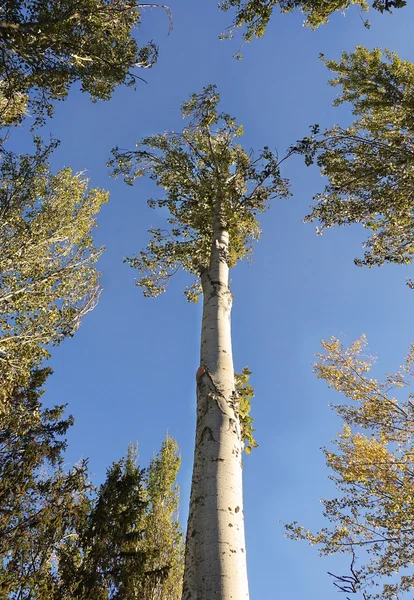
(214, 192)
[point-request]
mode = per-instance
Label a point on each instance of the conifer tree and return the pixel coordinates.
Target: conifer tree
(129, 546)
(60, 539)
(105, 560)
(41, 503)
(214, 192)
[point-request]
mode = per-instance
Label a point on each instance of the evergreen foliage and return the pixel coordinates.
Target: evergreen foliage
(104, 560)
(60, 541)
(130, 545)
(41, 503)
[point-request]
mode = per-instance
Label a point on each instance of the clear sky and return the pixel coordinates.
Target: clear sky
(129, 372)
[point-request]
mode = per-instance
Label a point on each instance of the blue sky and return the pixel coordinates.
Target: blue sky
(129, 372)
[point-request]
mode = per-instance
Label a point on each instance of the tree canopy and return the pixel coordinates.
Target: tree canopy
(373, 469)
(48, 45)
(104, 555)
(253, 16)
(195, 167)
(48, 277)
(369, 165)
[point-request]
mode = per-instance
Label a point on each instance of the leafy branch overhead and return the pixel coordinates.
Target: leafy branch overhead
(195, 166)
(45, 46)
(370, 164)
(253, 16)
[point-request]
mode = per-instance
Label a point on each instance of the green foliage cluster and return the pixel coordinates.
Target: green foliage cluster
(199, 167)
(245, 393)
(48, 45)
(48, 277)
(370, 164)
(163, 542)
(373, 469)
(253, 16)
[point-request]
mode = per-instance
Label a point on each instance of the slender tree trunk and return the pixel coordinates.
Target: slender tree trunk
(215, 562)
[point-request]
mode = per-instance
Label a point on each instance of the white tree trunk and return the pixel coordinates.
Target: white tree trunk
(215, 562)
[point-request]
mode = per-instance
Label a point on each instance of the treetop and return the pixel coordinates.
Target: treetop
(205, 172)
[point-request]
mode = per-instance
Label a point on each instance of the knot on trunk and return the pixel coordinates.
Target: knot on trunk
(207, 389)
(223, 251)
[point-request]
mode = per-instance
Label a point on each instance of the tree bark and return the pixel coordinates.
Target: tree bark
(215, 562)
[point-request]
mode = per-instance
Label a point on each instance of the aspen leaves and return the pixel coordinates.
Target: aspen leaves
(48, 45)
(47, 260)
(253, 16)
(195, 167)
(372, 465)
(370, 164)
(245, 393)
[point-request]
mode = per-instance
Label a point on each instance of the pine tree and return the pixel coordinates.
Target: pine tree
(105, 561)
(41, 503)
(129, 545)
(214, 192)
(60, 539)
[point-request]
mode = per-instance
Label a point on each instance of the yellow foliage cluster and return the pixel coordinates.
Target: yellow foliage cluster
(372, 465)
